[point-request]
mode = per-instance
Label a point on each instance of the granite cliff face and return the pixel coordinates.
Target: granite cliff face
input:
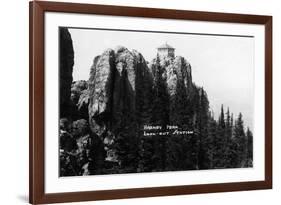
(100, 91)
(112, 87)
(66, 67)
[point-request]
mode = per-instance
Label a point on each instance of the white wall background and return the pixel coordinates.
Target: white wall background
(14, 100)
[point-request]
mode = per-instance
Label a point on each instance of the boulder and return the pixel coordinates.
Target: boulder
(80, 128)
(77, 88)
(83, 104)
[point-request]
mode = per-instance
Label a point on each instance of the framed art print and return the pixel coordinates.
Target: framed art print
(140, 102)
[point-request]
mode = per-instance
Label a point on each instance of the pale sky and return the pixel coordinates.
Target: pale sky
(222, 65)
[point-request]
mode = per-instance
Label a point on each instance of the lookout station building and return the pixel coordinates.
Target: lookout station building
(166, 50)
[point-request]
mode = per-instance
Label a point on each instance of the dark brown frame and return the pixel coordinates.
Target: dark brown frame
(37, 95)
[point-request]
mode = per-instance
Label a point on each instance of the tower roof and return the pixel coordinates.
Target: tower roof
(165, 45)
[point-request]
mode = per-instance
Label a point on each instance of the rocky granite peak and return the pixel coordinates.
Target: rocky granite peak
(112, 86)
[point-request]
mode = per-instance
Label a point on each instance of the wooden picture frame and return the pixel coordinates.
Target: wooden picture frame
(37, 10)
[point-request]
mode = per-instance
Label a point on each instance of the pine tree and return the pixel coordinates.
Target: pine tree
(148, 97)
(179, 146)
(212, 134)
(249, 137)
(160, 102)
(143, 101)
(174, 153)
(228, 125)
(202, 127)
(221, 118)
(126, 142)
(220, 142)
(139, 96)
(160, 116)
(179, 104)
(228, 135)
(146, 150)
(192, 148)
(240, 141)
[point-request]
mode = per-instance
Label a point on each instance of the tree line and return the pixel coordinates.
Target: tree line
(222, 143)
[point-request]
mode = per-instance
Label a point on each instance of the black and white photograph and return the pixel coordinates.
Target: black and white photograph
(133, 101)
